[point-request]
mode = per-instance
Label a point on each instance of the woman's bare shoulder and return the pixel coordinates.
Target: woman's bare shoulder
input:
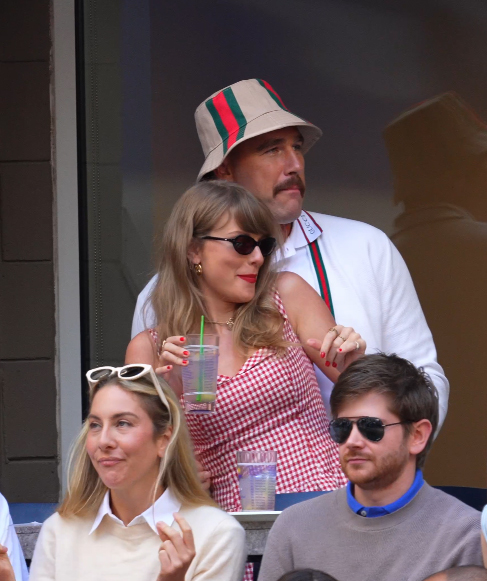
(142, 349)
(294, 292)
(301, 302)
(290, 283)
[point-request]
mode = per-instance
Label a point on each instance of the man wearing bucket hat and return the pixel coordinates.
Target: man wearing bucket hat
(250, 137)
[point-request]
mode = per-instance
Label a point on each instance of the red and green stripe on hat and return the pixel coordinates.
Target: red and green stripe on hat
(228, 116)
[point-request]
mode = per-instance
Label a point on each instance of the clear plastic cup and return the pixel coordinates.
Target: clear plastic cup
(257, 479)
(200, 375)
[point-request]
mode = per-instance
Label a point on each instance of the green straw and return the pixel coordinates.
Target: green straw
(200, 381)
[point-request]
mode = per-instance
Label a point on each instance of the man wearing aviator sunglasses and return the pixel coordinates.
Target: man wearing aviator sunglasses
(387, 523)
(371, 428)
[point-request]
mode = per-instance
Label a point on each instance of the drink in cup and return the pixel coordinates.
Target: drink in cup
(200, 375)
(257, 479)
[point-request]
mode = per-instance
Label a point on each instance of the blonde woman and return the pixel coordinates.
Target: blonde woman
(135, 508)
(216, 261)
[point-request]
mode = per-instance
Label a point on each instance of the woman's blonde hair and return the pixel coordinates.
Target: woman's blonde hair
(177, 469)
(177, 300)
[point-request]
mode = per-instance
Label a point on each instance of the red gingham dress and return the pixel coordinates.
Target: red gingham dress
(272, 403)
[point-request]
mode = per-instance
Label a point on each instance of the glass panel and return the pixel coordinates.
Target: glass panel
(117, 171)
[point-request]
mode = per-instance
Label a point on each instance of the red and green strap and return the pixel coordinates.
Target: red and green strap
(320, 270)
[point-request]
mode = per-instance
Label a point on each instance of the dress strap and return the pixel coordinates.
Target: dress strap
(289, 334)
(280, 305)
(155, 336)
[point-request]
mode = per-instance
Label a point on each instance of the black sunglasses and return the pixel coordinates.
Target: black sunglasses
(245, 244)
(371, 428)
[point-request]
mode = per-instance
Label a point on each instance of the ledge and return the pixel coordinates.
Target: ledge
(256, 535)
(27, 534)
(256, 525)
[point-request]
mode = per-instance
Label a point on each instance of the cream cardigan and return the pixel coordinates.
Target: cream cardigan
(65, 550)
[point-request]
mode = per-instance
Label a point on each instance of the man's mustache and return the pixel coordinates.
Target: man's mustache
(289, 183)
(352, 456)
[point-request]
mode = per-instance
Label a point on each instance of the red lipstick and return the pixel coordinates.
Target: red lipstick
(252, 278)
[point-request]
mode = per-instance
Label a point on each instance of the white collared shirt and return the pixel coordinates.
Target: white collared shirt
(304, 231)
(371, 290)
(161, 511)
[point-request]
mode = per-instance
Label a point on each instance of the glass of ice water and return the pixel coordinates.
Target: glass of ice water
(257, 479)
(200, 375)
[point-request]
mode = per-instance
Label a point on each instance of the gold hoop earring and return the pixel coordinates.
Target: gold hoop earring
(198, 269)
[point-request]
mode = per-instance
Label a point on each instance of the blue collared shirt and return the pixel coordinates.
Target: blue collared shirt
(374, 511)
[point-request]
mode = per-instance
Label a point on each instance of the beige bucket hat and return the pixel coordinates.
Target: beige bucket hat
(241, 111)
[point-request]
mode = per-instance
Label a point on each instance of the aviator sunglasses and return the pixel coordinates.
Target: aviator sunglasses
(371, 428)
(132, 372)
(245, 244)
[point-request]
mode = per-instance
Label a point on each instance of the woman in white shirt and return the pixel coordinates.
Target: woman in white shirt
(135, 508)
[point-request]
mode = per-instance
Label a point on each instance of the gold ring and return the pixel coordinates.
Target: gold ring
(342, 338)
(358, 345)
(163, 343)
(333, 329)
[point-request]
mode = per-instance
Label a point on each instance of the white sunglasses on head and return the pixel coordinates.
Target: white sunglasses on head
(131, 372)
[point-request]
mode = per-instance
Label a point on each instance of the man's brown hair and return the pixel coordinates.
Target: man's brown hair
(411, 394)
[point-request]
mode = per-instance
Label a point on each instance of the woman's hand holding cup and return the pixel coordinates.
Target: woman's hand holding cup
(173, 352)
(174, 355)
(177, 550)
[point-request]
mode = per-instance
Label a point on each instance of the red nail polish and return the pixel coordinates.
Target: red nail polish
(334, 364)
(322, 355)
(185, 362)
(185, 352)
(339, 349)
(327, 363)
(169, 367)
(182, 339)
